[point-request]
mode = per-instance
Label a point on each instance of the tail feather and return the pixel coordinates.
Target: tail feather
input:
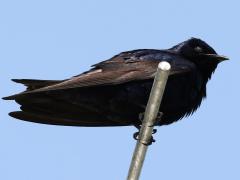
(61, 108)
(55, 120)
(47, 110)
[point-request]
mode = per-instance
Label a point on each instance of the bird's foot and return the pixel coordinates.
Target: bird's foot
(141, 117)
(151, 141)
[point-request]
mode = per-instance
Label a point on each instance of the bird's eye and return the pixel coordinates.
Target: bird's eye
(198, 49)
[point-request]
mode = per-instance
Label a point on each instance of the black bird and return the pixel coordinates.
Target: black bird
(114, 92)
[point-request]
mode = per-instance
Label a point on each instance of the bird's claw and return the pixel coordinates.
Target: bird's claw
(136, 135)
(151, 141)
(154, 131)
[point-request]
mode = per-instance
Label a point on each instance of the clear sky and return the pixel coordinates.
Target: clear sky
(52, 39)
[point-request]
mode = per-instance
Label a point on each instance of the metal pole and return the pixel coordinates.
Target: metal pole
(150, 116)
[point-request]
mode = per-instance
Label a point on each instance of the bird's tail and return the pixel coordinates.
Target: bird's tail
(45, 109)
(58, 107)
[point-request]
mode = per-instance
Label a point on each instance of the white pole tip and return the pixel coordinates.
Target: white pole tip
(165, 66)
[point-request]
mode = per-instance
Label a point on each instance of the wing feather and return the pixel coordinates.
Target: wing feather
(114, 71)
(135, 71)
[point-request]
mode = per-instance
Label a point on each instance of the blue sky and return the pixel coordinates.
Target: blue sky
(58, 39)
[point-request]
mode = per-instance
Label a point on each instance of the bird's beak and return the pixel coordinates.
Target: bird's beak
(217, 57)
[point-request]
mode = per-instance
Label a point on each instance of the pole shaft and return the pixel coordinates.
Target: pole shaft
(150, 116)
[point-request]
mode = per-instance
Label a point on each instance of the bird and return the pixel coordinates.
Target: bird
(115, 92)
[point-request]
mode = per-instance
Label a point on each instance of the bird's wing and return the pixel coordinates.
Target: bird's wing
(117, 70)
(118, 73)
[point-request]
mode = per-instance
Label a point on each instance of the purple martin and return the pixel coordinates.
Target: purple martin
(114, 92)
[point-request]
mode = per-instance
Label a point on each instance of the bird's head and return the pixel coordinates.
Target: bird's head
(200, 53)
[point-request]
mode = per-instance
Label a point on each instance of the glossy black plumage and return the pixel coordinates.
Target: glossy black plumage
(115, 92)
